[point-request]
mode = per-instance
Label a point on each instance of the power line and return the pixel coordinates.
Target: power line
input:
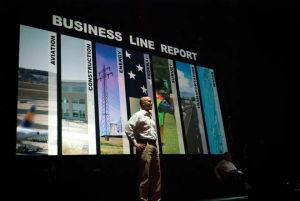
(105, 118)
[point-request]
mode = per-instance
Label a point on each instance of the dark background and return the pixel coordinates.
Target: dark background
(253, 47)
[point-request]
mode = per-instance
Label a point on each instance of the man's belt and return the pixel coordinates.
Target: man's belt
(144, 141)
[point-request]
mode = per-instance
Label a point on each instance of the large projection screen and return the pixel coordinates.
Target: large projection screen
(99, 88)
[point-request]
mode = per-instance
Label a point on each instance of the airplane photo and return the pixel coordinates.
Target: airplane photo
(25, 129)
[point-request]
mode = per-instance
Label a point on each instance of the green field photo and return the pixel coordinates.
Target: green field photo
(113, 146)
(171, 145)
(170, 135)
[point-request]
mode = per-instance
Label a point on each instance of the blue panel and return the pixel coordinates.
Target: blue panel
(212, 111)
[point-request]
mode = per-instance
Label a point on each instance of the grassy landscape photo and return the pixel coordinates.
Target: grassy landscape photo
(113, 146)
(168, 129)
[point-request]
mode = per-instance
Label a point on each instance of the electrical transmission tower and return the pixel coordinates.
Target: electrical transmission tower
(105, 119)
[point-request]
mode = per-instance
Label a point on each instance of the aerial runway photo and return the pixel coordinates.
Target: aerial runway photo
(191, 109)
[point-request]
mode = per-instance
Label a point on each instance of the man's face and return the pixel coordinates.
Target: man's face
(228, 157)
(146, 103)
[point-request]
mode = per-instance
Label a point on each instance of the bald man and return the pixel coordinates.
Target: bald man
(141, 132)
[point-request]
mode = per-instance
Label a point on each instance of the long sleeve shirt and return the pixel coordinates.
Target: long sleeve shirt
(141, 126)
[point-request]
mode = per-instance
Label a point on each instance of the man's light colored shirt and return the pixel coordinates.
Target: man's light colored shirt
(141, 126)
(225, 166)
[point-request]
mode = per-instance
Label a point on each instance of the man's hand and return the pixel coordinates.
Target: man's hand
(141, 147)
(172, 104)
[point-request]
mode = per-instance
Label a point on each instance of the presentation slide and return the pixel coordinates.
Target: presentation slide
(99, 88)
(212, 111)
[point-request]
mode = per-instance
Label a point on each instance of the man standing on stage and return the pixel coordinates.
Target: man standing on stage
(141, 132)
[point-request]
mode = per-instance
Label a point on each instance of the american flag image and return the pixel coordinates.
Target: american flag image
(137, 77)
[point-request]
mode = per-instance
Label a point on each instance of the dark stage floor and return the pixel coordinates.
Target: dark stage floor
(292, 195)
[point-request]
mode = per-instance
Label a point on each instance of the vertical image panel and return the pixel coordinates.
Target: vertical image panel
(112, 100)
(138, 79)
(167, 106)
(90, 98)
(52, 95)
(37, 93)
(78, 117)
(191, 109)
(212, 111)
